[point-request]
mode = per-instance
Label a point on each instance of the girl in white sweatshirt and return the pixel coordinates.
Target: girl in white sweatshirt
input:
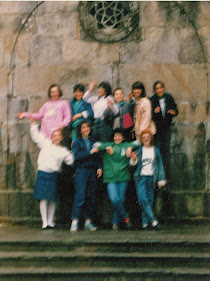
(51, 156)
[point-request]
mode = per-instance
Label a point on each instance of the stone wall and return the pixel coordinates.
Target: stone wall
(43, 43)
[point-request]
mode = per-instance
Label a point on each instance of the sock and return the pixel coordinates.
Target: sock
(43, 212)
(51, 212)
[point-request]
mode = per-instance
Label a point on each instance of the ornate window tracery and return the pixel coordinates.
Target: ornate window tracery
(109, 21)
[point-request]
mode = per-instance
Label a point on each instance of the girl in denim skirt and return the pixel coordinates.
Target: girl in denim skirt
(51, 156)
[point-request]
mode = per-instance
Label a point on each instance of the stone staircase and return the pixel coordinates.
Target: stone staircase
(104, 255)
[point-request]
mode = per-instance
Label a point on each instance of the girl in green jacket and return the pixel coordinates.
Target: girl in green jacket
(116, 173)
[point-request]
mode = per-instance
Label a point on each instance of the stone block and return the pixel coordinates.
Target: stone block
(17, 7)
(190, 50)
(4, 203)
(21, 53)
(2, 177)
(4, 83)
(63, 7)
(160, 49)
(31, 209)
(3, 138)
(203, 15)
(35, 80)
(25, 174)
(1, 52)
(184, 82)
(35, 103)
(188, 204)
(85, 53)
(3, 108)
(192, 112)
(57, 24)
(16, 105)
(19, 137)
(151, 14)
(45, 50)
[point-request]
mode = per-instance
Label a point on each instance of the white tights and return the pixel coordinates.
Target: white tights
(47, 210)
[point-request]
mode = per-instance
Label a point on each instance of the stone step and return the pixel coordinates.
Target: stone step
(102, 274)
(145, 246)
(94, 260)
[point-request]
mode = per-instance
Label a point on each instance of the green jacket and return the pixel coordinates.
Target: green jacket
(116, 166)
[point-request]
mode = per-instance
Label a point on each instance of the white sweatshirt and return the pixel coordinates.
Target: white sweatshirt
(51, 155)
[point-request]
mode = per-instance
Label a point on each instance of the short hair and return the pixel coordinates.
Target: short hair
(156, 83)
(107, 87)
(79, 87)
(147, 131)
(59, 90)
(119, 131)
(78, 128)
(118, 89)
(139, 85)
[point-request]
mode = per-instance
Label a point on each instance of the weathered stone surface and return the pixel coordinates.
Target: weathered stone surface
(88, 52)
(45, 50)
(190, 50)
(4, 203)
(57, 25)
(37, 80)
(182, 81)
(192, 112)
(2, 177)
(151, 14)
(58, 7)
(17, 7)
(4, 83)
(3, 108)
(189, 203)
(22, 51)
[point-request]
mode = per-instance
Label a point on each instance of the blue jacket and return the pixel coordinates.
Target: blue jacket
(159, 173)
(82, 156)
(84, 106)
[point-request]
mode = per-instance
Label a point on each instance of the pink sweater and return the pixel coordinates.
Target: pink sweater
(54, 114)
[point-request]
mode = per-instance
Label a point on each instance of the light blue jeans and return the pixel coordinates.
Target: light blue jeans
(145, 194)
(116, 192)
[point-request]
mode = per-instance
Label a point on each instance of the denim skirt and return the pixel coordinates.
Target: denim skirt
(46, 186)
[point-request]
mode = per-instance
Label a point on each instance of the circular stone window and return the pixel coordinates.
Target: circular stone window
(109, 21)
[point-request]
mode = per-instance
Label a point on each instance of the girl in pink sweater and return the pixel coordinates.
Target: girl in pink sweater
(55, 113)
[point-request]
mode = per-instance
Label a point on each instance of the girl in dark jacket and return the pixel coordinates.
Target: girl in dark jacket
(87, 169)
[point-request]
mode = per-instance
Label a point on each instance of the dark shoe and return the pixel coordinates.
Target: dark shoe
(157, 227)
(51, 227)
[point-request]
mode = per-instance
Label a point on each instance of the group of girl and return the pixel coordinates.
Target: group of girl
(109, 134)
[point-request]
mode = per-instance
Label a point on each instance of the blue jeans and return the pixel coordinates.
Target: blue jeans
(116, 192)
(145, 194)
(84, 185)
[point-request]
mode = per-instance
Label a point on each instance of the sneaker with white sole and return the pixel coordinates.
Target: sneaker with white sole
(90, 226)
(74, 226)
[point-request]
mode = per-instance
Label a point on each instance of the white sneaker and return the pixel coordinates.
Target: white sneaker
(74, 226)
(90, 226)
